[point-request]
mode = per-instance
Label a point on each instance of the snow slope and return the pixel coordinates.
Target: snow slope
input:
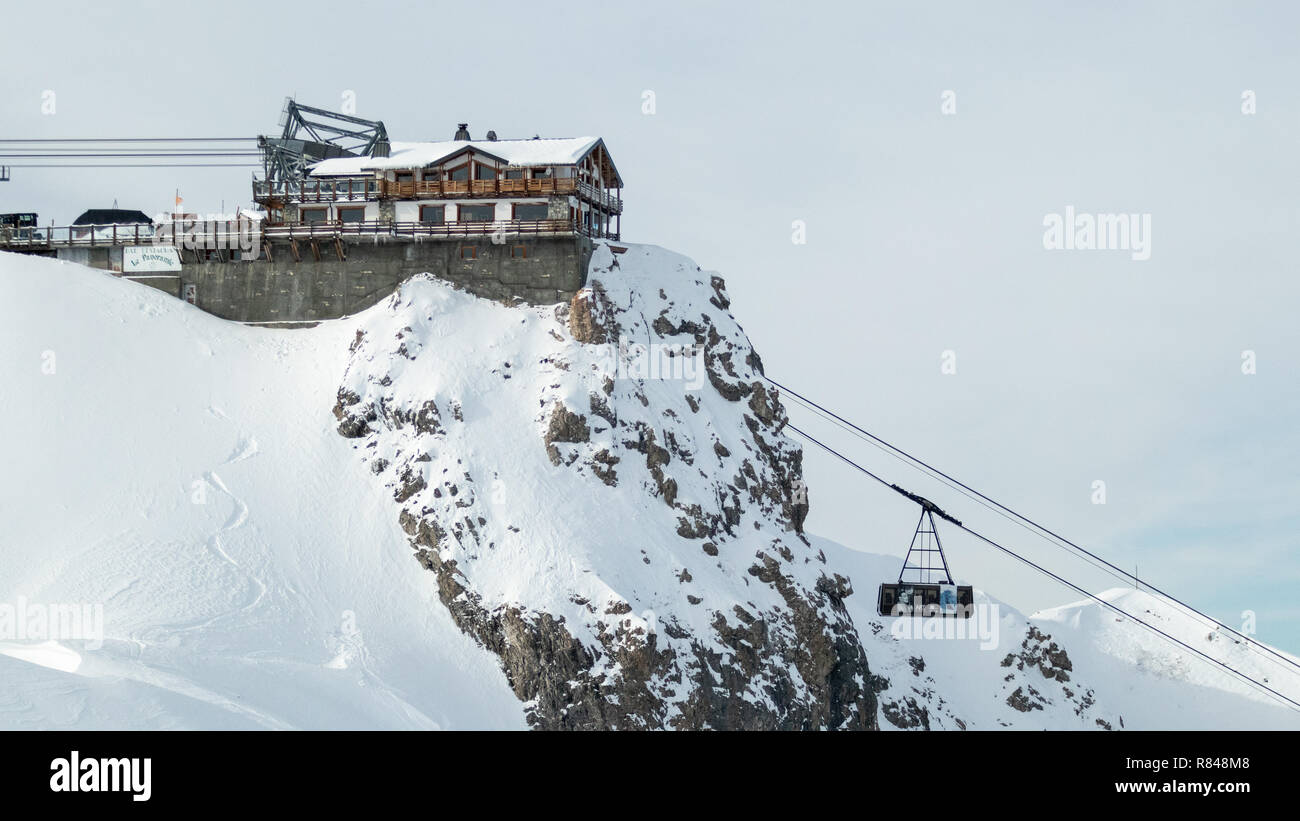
(186, 473)
(183, 472)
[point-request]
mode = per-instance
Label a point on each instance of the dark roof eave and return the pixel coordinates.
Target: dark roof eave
(600, 141)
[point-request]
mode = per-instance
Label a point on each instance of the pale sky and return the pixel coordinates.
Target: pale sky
(924, 229)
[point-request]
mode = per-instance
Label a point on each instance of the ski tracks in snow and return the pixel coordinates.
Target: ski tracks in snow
(247, 448)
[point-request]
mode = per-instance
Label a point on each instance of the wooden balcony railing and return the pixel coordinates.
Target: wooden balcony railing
(311, 191)
(478, 188)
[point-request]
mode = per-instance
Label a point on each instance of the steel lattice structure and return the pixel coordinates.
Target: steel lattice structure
(311, 134)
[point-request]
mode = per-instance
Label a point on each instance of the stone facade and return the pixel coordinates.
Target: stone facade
(557, 208)
(532, 270)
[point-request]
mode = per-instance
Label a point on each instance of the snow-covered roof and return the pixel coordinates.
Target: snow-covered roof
(550, 151)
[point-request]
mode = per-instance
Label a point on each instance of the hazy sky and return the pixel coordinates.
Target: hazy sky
(924, 229)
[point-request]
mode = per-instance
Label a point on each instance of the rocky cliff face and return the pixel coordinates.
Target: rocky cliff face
(605, 499)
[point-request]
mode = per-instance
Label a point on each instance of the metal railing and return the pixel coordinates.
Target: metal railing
(351, 190)
(78, 236)
(220, 235)
(607, 201)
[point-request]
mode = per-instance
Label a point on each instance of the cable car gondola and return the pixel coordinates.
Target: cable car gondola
(930, 592)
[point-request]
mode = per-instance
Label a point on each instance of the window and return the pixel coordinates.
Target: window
(519, 252)
(406, 176)
(541, 173)
(514, 173)
(484, 172)
(469, 252)
(431, 214)
(477, 213)
(352, 214)
(459, 174)
(530, 211)
(310, 215)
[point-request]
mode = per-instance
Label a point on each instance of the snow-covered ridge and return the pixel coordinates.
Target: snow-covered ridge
(648, 526)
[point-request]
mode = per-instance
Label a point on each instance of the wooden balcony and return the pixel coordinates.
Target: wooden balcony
(444, 189)
(314, 191)
(503, 229)
(477, 188)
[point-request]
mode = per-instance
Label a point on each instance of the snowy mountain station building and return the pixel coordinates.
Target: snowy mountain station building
(349, 215)
(460, 186)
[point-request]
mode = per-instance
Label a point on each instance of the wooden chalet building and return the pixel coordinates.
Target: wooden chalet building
(460, 187)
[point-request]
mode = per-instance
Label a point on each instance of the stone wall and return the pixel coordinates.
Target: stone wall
(534, 270)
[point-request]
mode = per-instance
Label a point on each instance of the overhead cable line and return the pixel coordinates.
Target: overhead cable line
(1249, 679)
(1061, 540)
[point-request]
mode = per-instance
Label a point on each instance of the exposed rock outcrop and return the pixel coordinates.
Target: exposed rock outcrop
(602, 605)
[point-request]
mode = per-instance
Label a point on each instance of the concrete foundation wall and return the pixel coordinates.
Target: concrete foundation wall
(167, 283)
(535, 270)
(110, 259)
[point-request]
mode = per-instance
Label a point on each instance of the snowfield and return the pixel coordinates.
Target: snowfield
(184, 472)
(185, 478)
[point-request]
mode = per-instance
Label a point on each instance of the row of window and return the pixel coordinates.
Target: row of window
(433, 214)
(483, 213)
(355, 213)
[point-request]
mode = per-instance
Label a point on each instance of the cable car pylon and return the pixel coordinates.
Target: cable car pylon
(932, 593)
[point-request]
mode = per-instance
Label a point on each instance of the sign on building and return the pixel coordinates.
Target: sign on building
(138, 259)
